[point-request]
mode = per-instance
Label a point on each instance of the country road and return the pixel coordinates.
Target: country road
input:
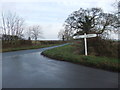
(29, 69)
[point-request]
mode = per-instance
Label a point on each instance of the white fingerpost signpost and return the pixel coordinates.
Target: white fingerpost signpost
(85, 40)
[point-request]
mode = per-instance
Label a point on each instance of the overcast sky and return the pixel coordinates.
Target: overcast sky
(51, 14)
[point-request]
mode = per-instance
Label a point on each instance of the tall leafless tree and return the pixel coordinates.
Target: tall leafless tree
(36, 32)
(61, 35)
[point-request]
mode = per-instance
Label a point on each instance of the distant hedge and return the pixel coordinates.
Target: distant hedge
(52, 42)
(15, 43)
(19, 43)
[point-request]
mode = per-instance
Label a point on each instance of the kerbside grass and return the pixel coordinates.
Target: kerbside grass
(66, 53)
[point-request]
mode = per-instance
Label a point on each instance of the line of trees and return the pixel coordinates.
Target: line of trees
(11, 24)
(13, 27)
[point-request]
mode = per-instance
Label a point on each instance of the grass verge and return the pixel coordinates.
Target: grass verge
(27, 47)
(66, 53)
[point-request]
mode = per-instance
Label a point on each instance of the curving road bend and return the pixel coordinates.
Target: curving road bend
(29, 69)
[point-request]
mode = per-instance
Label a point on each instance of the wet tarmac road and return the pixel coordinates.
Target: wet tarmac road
(29, 69)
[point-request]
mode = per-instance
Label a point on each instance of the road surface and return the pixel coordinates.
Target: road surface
(29, 69)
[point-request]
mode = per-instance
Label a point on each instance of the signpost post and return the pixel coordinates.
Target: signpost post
(85, 44)
(85, 40)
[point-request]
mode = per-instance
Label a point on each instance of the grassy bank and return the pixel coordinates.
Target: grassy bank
(66, 53)
(27, 47)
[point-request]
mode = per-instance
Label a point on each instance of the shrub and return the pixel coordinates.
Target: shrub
(102, 47)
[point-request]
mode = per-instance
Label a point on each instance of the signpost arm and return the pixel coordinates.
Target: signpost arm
(85, 44)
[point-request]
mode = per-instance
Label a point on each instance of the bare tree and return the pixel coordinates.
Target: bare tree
(91, 20)
(66, 33)
(61, 34)
(3, 24)
(19, 27)
(36, 32)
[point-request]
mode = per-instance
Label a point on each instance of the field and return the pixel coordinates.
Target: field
(25, 45)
